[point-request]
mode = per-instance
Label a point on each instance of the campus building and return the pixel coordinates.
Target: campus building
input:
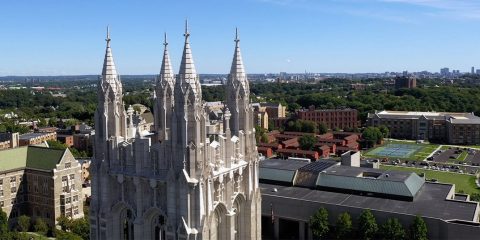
(192, 178)
(333, 118)
(293, 190)
(445, 127)
(36, 138)
(40, 182)
(260, 115)
(275, 110)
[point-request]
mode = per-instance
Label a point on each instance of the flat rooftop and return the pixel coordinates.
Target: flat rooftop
(32, 135)
(283, 164)
(389, 175)
(426, 114)
(430, 202)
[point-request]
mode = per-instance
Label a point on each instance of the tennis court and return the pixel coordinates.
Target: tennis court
(396, 150)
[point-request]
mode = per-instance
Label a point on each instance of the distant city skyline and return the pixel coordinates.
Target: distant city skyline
(331, 36)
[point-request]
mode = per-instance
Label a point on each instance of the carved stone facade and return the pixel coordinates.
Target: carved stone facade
(179, 182)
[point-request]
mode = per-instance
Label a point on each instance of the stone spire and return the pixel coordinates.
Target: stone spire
(164, 96)
(166, 71)
(188, 73)
(110, 116)
(237, 68)
(109, 71)
(189, 113)
(238, 92)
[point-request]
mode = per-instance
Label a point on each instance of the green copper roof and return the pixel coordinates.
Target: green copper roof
(13, 158)
(279, 175)
(30, 157)
(408, 188)
(43, 158)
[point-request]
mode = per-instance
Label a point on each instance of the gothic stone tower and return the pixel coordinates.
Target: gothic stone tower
(178, 182)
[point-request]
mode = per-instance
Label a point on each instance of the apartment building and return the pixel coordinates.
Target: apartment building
(333, 118)
(275, 110)
(445, 127)
(36, 138)
(260, 115)
(40, 182)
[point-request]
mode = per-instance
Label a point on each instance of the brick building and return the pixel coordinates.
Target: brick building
(9, 140)
(333, 118)
(405, 82)
(36, 138)
(67, 139)
(446, 127)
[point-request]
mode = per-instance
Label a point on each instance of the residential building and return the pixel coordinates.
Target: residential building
(66, 139)
(332, 118)
(275, 110)
(36, 138)
(180, 182)
(445, 127)
(40, 182)
(260, 115)
(9, 140)
(405, 82)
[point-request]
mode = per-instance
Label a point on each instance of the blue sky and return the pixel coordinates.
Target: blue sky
(67, 37)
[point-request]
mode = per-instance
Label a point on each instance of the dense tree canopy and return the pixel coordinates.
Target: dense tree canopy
(372, 136)
(81, 97)
(392, 230)
(307, 142)
(418, 229)
(319, 223)
(343, 226)
(367, 225)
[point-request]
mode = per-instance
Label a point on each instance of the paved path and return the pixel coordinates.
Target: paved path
(433, 152)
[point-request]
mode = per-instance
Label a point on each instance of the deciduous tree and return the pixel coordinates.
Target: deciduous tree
(319, 223)
(343, 226)
(418, 229)
(367, 225)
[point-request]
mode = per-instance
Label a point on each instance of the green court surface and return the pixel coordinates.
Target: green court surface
(402, 150)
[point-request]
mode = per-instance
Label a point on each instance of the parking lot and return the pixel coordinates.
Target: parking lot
(456, 155)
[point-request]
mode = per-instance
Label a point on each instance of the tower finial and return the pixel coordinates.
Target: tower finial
(108, 35)
(236, 35)
(186, 29)
(165, 42)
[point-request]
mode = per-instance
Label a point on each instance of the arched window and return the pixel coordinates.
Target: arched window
(128, 226)
(159, 228)
(218, 225)
(240, 218)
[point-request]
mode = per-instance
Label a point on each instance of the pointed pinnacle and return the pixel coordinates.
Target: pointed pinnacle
(108, 34)
(186, 29)
(236, 35)
(165, 42)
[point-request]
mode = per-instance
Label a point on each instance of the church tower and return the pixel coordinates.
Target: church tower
(178, 182)
(238, 92)
(110, 116)
(189, 124)
(163, 97)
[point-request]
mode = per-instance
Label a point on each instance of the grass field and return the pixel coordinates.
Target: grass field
(463, 156)
(463, 182)
(423, 152)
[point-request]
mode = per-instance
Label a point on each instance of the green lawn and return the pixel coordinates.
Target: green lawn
(462, 156)
(463, 182)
